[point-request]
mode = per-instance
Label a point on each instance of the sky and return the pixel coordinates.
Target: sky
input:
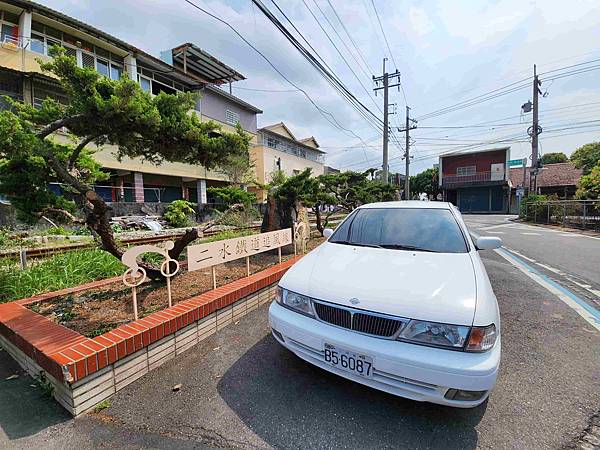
(447, 52)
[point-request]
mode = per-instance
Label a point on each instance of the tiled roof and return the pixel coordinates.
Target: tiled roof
(559, 174)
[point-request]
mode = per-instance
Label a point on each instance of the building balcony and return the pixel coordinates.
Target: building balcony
(477, 178)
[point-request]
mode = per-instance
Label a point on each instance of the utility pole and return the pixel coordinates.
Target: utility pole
(534, 132)
(411, 124)
(407, 156)
(383, 82)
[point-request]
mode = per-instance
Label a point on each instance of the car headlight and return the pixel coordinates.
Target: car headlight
(435, 334)
(298, 302)
(482, 338)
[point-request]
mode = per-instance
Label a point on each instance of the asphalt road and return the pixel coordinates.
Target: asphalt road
(240, 389)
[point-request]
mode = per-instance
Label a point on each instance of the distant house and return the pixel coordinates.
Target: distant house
(476, 181)
(560, 179)
(278, 149)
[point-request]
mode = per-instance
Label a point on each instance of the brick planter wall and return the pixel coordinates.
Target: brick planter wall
(86, 371)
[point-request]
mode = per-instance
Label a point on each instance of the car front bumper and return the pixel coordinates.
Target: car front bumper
(412, 371)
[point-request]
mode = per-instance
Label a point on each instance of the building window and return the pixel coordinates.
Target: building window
(146, 84)
(102, 67)
(87, 55)
(466, 171)
(232, 118)
(272, 142)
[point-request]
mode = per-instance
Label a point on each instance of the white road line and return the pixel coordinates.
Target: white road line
(563, 294)
(531, 234)
(521, 255)
(551, 269)
(499, 226)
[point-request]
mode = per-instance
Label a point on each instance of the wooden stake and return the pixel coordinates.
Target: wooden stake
(279, 251)
(214, 274)
(135, 309)
(169, 285)
(247, 266)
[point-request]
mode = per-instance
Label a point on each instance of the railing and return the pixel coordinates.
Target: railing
(290, 148)
(583, 214)
(477, 177)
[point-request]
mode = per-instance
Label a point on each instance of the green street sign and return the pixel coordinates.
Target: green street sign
(516, 162)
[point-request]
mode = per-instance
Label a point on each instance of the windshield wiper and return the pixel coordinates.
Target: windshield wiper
(358, 244)
(406, 247)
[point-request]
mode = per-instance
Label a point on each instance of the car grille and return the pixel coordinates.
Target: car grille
(356, 320)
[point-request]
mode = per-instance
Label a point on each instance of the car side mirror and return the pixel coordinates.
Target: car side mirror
(488, 242)
(327, 232)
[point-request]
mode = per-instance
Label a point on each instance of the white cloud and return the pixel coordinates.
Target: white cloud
(420, 21)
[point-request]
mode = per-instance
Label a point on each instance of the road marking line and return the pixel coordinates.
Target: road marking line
(496, 232)
(498, 226)
(586, 311)
(532, 234)
(551, 269)
(520, 254)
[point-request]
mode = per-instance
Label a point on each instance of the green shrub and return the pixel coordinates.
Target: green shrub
(59, 272)
(231, 195)
(177, 213)
(58, 231)
(228, 234)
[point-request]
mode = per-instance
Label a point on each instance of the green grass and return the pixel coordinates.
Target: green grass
(227, 234)
(59, 272)
(102, 405)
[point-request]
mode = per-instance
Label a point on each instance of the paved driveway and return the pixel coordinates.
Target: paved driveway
(240, 389)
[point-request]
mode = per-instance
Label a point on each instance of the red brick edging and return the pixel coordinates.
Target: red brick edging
(70, 356)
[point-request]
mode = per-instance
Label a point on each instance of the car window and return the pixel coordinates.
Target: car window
(434, 230)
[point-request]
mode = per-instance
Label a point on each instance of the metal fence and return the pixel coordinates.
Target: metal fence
(583, 214)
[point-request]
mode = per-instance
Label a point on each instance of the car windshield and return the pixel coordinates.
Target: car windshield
(419, 229)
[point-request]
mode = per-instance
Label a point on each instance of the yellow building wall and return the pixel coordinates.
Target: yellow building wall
(23, 61)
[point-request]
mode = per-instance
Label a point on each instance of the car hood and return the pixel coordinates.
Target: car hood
(439, 287)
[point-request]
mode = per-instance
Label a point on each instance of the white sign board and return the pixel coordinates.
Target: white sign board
(497, 172)
(206, 255)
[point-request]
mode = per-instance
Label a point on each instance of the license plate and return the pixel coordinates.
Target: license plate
(349, 361)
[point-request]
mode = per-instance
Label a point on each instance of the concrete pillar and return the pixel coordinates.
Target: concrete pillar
(185, 194)
(138, 187)
(25, 28)
(201, 189)
(27, 91)
(120, 190)
(131, 67)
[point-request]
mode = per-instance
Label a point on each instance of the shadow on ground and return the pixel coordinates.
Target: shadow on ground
(292, 404)
(24, 409)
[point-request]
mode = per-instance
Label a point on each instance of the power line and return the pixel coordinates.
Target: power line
(351, 38)
(265, 90)
(342, 40)
(330, 77)
(384, 36)
(326, 114)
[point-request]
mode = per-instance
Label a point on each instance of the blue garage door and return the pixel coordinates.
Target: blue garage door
(474, 199)
(497, 199)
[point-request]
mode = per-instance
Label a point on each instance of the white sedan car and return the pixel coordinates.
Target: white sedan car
(397, 299)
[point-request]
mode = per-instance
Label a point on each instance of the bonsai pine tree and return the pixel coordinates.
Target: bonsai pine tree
(34, 151)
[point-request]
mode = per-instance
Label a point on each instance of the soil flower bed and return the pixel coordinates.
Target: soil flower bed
(95, 312)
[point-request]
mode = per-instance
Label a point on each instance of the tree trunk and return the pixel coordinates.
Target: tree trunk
(99, 224)
(278, 215)
(318, 217)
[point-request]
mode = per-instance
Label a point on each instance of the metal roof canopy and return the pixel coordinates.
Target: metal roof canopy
(195, 60)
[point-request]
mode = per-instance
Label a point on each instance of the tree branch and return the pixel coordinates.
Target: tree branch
(57, 124)
(79, 149)
(62, 212)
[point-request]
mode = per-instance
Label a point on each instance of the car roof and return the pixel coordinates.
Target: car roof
(414, 204)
